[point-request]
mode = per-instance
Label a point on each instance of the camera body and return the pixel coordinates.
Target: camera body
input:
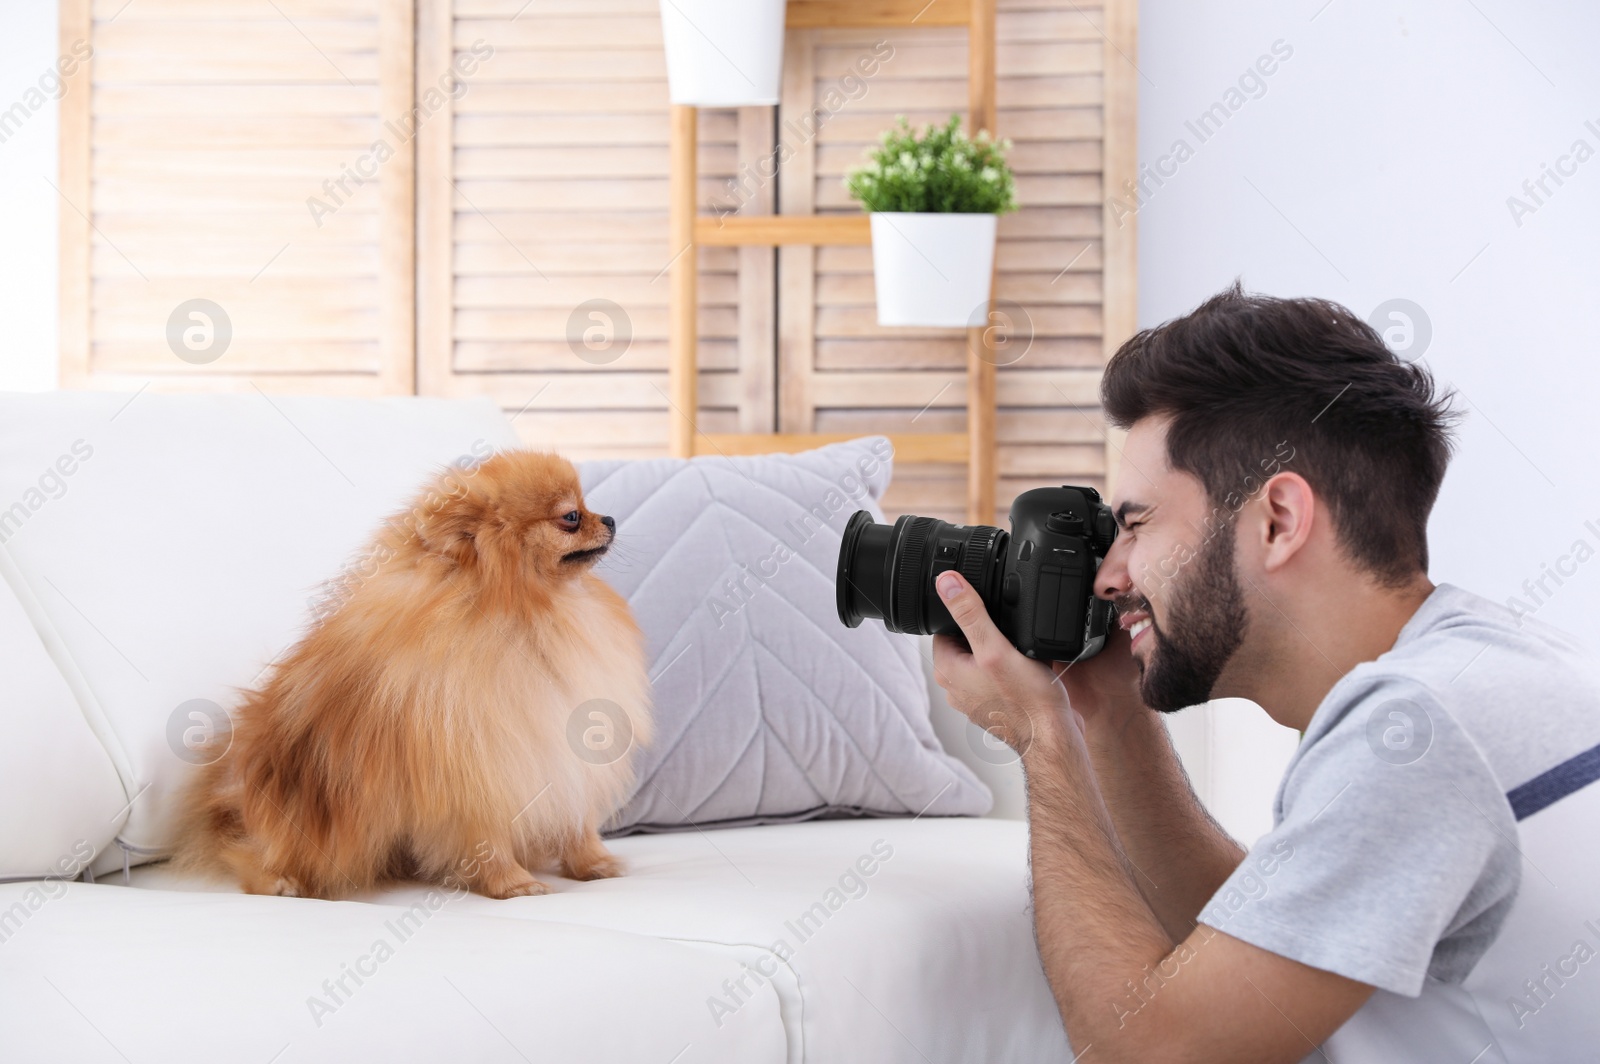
(1037, 580)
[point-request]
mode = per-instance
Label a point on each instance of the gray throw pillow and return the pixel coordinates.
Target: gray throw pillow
(767, 708)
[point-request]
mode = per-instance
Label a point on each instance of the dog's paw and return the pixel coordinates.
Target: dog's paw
(606, 867)
(529, 888)
(285, 887)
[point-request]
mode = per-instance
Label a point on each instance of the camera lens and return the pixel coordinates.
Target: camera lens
(886, 572)
(862, 587)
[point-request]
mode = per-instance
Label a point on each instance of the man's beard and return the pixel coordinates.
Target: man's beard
(1206, 621)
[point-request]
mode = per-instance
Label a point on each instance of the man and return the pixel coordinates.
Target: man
(1431, 890)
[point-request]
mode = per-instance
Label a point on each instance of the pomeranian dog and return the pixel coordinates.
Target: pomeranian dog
(465, 713)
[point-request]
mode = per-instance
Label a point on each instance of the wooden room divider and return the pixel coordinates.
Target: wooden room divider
(476, 198)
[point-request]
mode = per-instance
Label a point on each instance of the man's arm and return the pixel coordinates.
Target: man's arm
(1121, 984)
(1180, 855)
(1126, 987)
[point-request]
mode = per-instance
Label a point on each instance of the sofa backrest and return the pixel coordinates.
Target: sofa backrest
(165, 549)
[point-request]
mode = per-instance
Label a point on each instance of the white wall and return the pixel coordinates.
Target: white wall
(27, 201)
(1377, 164)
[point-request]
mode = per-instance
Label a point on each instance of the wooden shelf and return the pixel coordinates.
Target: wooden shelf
(770, 230)
(876, 14)
(688, 228)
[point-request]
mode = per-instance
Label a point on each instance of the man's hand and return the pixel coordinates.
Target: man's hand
(1105, 688)
(1202, 994)
(1008, 695)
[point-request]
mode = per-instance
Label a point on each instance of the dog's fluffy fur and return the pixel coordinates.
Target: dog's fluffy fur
(421, 728)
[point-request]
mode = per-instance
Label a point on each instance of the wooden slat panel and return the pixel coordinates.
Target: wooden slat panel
(545, 185)
(545, 130)
(949, 354)
(74, 226)
(917, 389)
(555, 355)
(292, 383)
(635, 27)
(507, 323)
(1018, 59)
(166, 11)
(231, 159)
(546, 188)
(1121, 241)
(180, 102)
(512, 254)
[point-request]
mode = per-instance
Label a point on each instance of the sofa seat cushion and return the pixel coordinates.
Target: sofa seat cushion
(896, 940)
(112, 973)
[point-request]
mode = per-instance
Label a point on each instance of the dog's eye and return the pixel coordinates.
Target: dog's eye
(570, 521)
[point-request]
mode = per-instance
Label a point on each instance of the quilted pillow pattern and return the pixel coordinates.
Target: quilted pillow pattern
(767, 708)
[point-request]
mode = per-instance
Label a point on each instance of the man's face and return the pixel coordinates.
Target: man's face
(1172, 576)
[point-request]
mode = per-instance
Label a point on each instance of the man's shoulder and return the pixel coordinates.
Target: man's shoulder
(1526, 694)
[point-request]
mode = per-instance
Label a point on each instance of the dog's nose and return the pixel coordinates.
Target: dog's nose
(610, 522)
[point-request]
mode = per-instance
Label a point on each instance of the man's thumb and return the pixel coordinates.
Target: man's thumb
(965, 607)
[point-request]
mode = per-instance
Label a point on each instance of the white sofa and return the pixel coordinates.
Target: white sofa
(109, 612)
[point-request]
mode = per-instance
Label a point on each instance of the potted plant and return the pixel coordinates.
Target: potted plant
(723, 53)
(934, 200)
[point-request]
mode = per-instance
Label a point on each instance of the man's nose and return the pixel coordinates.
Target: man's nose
(1113, 578)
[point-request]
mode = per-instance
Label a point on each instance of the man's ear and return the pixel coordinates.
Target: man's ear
(1289, 511)
(452, 528)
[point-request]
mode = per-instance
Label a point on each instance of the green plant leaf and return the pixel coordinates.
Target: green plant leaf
(940, 171)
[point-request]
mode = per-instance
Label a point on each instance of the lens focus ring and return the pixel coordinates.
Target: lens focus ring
(975, 560)
(909, 574)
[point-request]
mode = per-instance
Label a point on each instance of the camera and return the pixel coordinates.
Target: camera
(1037, 580)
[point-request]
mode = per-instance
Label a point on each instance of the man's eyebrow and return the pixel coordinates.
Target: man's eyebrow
(1129, 508)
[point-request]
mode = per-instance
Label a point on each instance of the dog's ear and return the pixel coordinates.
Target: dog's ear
(451, 524)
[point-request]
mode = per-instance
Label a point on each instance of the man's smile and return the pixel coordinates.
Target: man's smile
(1136, 621)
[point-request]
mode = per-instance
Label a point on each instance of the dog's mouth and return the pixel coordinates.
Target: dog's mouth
(588, 554)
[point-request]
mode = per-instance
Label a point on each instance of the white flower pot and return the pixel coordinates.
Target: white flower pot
(723, 53)
(932, 269)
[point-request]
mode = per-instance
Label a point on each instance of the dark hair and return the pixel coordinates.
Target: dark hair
(1241, 374)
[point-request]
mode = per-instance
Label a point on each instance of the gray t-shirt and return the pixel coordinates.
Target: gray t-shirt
(1402, 840)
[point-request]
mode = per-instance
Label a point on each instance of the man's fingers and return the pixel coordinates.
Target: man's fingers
(969, 612)
(947, 655)
(955, 673)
